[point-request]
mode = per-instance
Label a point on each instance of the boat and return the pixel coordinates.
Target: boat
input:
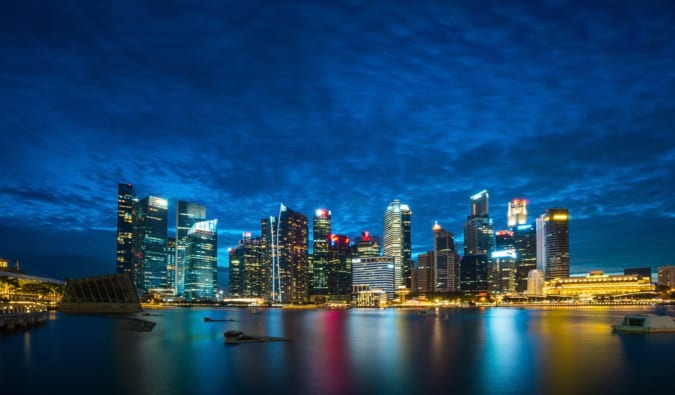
(646, 323)
(209, 319)
(428, 312)
(237, 337)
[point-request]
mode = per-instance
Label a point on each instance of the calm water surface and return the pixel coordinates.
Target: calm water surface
(358, 351)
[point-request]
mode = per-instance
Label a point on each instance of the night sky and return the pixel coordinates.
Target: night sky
(346, 105)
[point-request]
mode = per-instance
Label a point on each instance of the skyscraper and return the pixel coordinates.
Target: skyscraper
(446, 261)
(187, 214)
(290, 281)
(171, 263)
(525, 242)
(248, 271)
(367, 245)
(479, 242)
(479, 234)
(338, 270)
(553, 240)
(517, 213)
(126, 217)
(397, 240)
(150, 254)
(321, 232)
(201, 261)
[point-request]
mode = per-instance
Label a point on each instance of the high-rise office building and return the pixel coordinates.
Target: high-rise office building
(516, 213)
(201, 261)
(425, 273)
(479, 242)
(171, 263)
(290, 274)
(367, 245)
(248, 269)
(150, 247)
(525, 243)
(338, 270)
(502, 272)
(375, 273)
(187, 214)
(504, 240)
(397, 240)
(321, 233)
(446, 261)
(479, 234)
(474, 273)
(126, 218)
(553, 243)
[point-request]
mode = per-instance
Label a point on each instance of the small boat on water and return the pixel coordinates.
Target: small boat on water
(209, 319)
(646, 323)
(237, 337)
(427, 312)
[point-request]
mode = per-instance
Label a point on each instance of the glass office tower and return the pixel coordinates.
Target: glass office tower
(321, 232)
(187, 214)
(201, 261)
(397, 241)
(290, 280)
(150, 261)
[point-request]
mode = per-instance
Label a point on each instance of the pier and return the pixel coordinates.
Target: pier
(22, 315)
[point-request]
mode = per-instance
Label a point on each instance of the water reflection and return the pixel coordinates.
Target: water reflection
(341, 352)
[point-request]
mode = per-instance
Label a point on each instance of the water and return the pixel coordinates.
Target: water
(358, 351)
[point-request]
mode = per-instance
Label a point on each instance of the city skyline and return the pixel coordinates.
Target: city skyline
(344, 106)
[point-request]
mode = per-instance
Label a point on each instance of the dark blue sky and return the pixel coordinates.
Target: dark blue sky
(338, 104)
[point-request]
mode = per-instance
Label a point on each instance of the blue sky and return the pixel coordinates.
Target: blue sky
(339, 104)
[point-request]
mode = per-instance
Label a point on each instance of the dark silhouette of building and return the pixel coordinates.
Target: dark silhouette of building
(106, 294)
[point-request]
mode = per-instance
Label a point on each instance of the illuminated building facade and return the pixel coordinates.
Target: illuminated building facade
(321, 232)
(525, 244)
(339, 273)
(556, 243)
(397, 240)
(505, 240)
(149, 271)
(424, 275)
(171, 263)
(666, 276)
(367, 245)
(446, 261)
(187, 214)
(201, 261)
(248, 268)
(479, 234)
(290, 274)
(375, 273)
(598, 284)
(502, 272)
(126, 217)
(516, 213)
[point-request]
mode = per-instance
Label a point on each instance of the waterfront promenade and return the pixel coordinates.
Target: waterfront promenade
(22, 315)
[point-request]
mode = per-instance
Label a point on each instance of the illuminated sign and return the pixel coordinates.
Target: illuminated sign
(524, 227)
(510, 253)
(559, 217)
(365, 235)
(322, 212)
(504, 233)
